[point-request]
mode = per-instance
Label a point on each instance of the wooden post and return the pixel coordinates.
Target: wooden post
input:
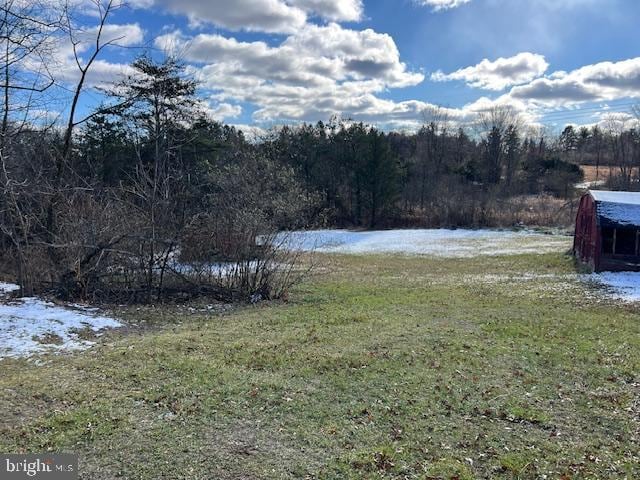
(615, 239)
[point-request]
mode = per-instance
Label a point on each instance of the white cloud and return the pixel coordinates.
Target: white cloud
(102, 73)
(336, 10)
(617, 122)
(316, 55)
(361, 54)
(504, 106)
(274, 16)
(499, 74)
(252, 133)
(221, 111)
(321, 71)
(591, 83)
(317, 72)
(124, 35)
(61, 64)
(439, 5)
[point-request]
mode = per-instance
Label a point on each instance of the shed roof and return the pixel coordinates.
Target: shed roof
(617, 209)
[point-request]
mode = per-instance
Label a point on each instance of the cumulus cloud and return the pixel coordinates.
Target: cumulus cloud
(617, 121)
(591, 83)
(439, 5)
(320, 68)
(220, 111)
(61, 64)
(600, 82)
(273, 16)
(499, 74)
(317, 72)
(614, 122)
(325, 70)
(102, 72)
(124, 35)
(336, 10)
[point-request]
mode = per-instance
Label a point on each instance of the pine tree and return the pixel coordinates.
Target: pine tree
(382, 174)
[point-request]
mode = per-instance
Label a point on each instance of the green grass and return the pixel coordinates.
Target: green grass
(382, 367)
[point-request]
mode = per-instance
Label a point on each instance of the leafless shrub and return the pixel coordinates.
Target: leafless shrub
(235, 238)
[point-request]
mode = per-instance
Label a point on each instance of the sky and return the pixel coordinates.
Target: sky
(392, 63)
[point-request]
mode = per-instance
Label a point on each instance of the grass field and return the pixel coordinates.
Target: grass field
(376, 367)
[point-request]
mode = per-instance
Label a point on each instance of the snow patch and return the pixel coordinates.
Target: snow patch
(6, 288)
(440, 243)
(215, 270)
(623, 286)
(590, 185)
(29, 326)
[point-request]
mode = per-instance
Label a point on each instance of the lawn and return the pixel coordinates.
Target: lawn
(376, 367)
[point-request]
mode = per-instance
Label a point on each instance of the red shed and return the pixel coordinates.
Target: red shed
(607, 234)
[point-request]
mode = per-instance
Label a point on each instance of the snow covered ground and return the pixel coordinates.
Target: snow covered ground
(623, 286)
(30, 325)
(441, 243)
(6, 288)
(215, 270)
(589, 185)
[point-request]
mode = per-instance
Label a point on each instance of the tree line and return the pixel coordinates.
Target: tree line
(438, 176)
(146, 197)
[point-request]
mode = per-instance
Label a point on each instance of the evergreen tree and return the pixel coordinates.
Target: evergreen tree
(493, 156)
(105, 151)
(511, 155)
(383, 176)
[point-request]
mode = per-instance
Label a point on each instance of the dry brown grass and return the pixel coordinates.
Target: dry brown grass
(533, 210)
(602, 173)
(529, 210)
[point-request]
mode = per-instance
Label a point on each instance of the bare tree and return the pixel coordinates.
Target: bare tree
(501, 117)
(500, 127)
(27, 30)
(35, 195)
(621, 143)
(430, 147)
(103, 8)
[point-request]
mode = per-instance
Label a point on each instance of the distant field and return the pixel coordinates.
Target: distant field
(381, 367)
(592, 174)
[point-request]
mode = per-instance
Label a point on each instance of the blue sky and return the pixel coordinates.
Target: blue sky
(390, 62)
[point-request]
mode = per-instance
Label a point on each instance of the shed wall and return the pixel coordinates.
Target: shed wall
(587, 241)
